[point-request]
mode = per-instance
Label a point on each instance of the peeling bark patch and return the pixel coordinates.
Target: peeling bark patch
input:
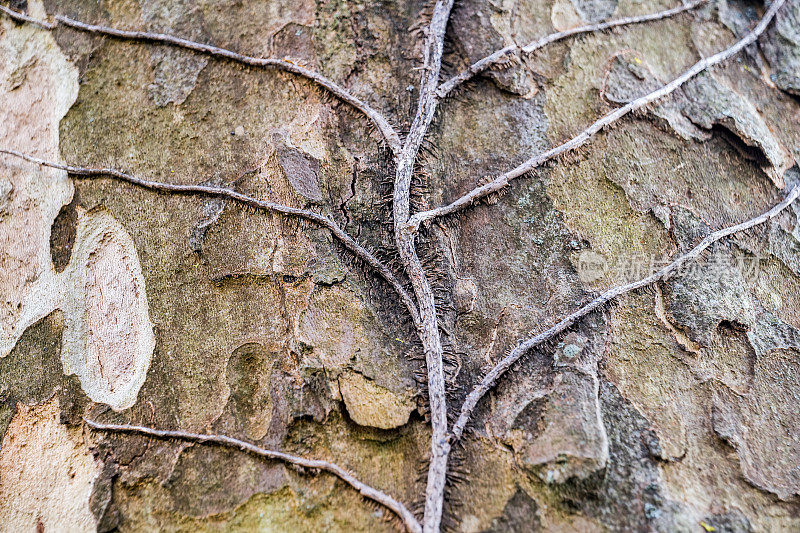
(109, 339)
(701, 299)
(58, 258)
(369, 404)
(37, 87)
(46, 473)
(552, 420)
(573, 441)
(478, 28)
(703, 105)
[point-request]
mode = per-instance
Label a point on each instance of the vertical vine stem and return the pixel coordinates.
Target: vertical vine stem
(429, 324)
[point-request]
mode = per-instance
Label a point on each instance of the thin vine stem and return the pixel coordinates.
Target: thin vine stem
(498, 56)
(491, 377)
(582, 138)
(410, 522)
(207, 190)
(387, 131)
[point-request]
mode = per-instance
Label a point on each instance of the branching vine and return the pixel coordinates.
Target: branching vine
(420, 302)
(496, 58)
(208, 190)
(583, 137)
(527, 345)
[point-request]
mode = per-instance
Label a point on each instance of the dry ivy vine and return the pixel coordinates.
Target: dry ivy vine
(420, 302)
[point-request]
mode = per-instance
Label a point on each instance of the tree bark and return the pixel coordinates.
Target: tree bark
(327, 266)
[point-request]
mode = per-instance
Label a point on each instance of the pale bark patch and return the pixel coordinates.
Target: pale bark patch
(369, 404)
(108, 341)
(37, 87)
(46, 473)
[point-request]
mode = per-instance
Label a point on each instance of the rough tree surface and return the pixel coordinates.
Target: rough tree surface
(673, 409)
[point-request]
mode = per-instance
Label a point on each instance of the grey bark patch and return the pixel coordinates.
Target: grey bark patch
(573, 441)
(770, 333)
(627, 495)
(702, 105)
(301, 169)
(175, 71)
(556, 432)
(713, 300)
(210, 213)
(738, 15)
(174, 75)
(781, 47)
(520, 515)
(100, 501)
(595, 10)
(714, 291)
(531, 419)
(759, 424)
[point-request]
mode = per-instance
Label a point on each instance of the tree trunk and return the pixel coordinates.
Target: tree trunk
(212, 312)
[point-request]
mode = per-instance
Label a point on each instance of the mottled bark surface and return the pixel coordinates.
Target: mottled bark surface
(672, 409)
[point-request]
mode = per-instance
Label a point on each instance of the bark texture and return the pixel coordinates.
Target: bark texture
(672, 408)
